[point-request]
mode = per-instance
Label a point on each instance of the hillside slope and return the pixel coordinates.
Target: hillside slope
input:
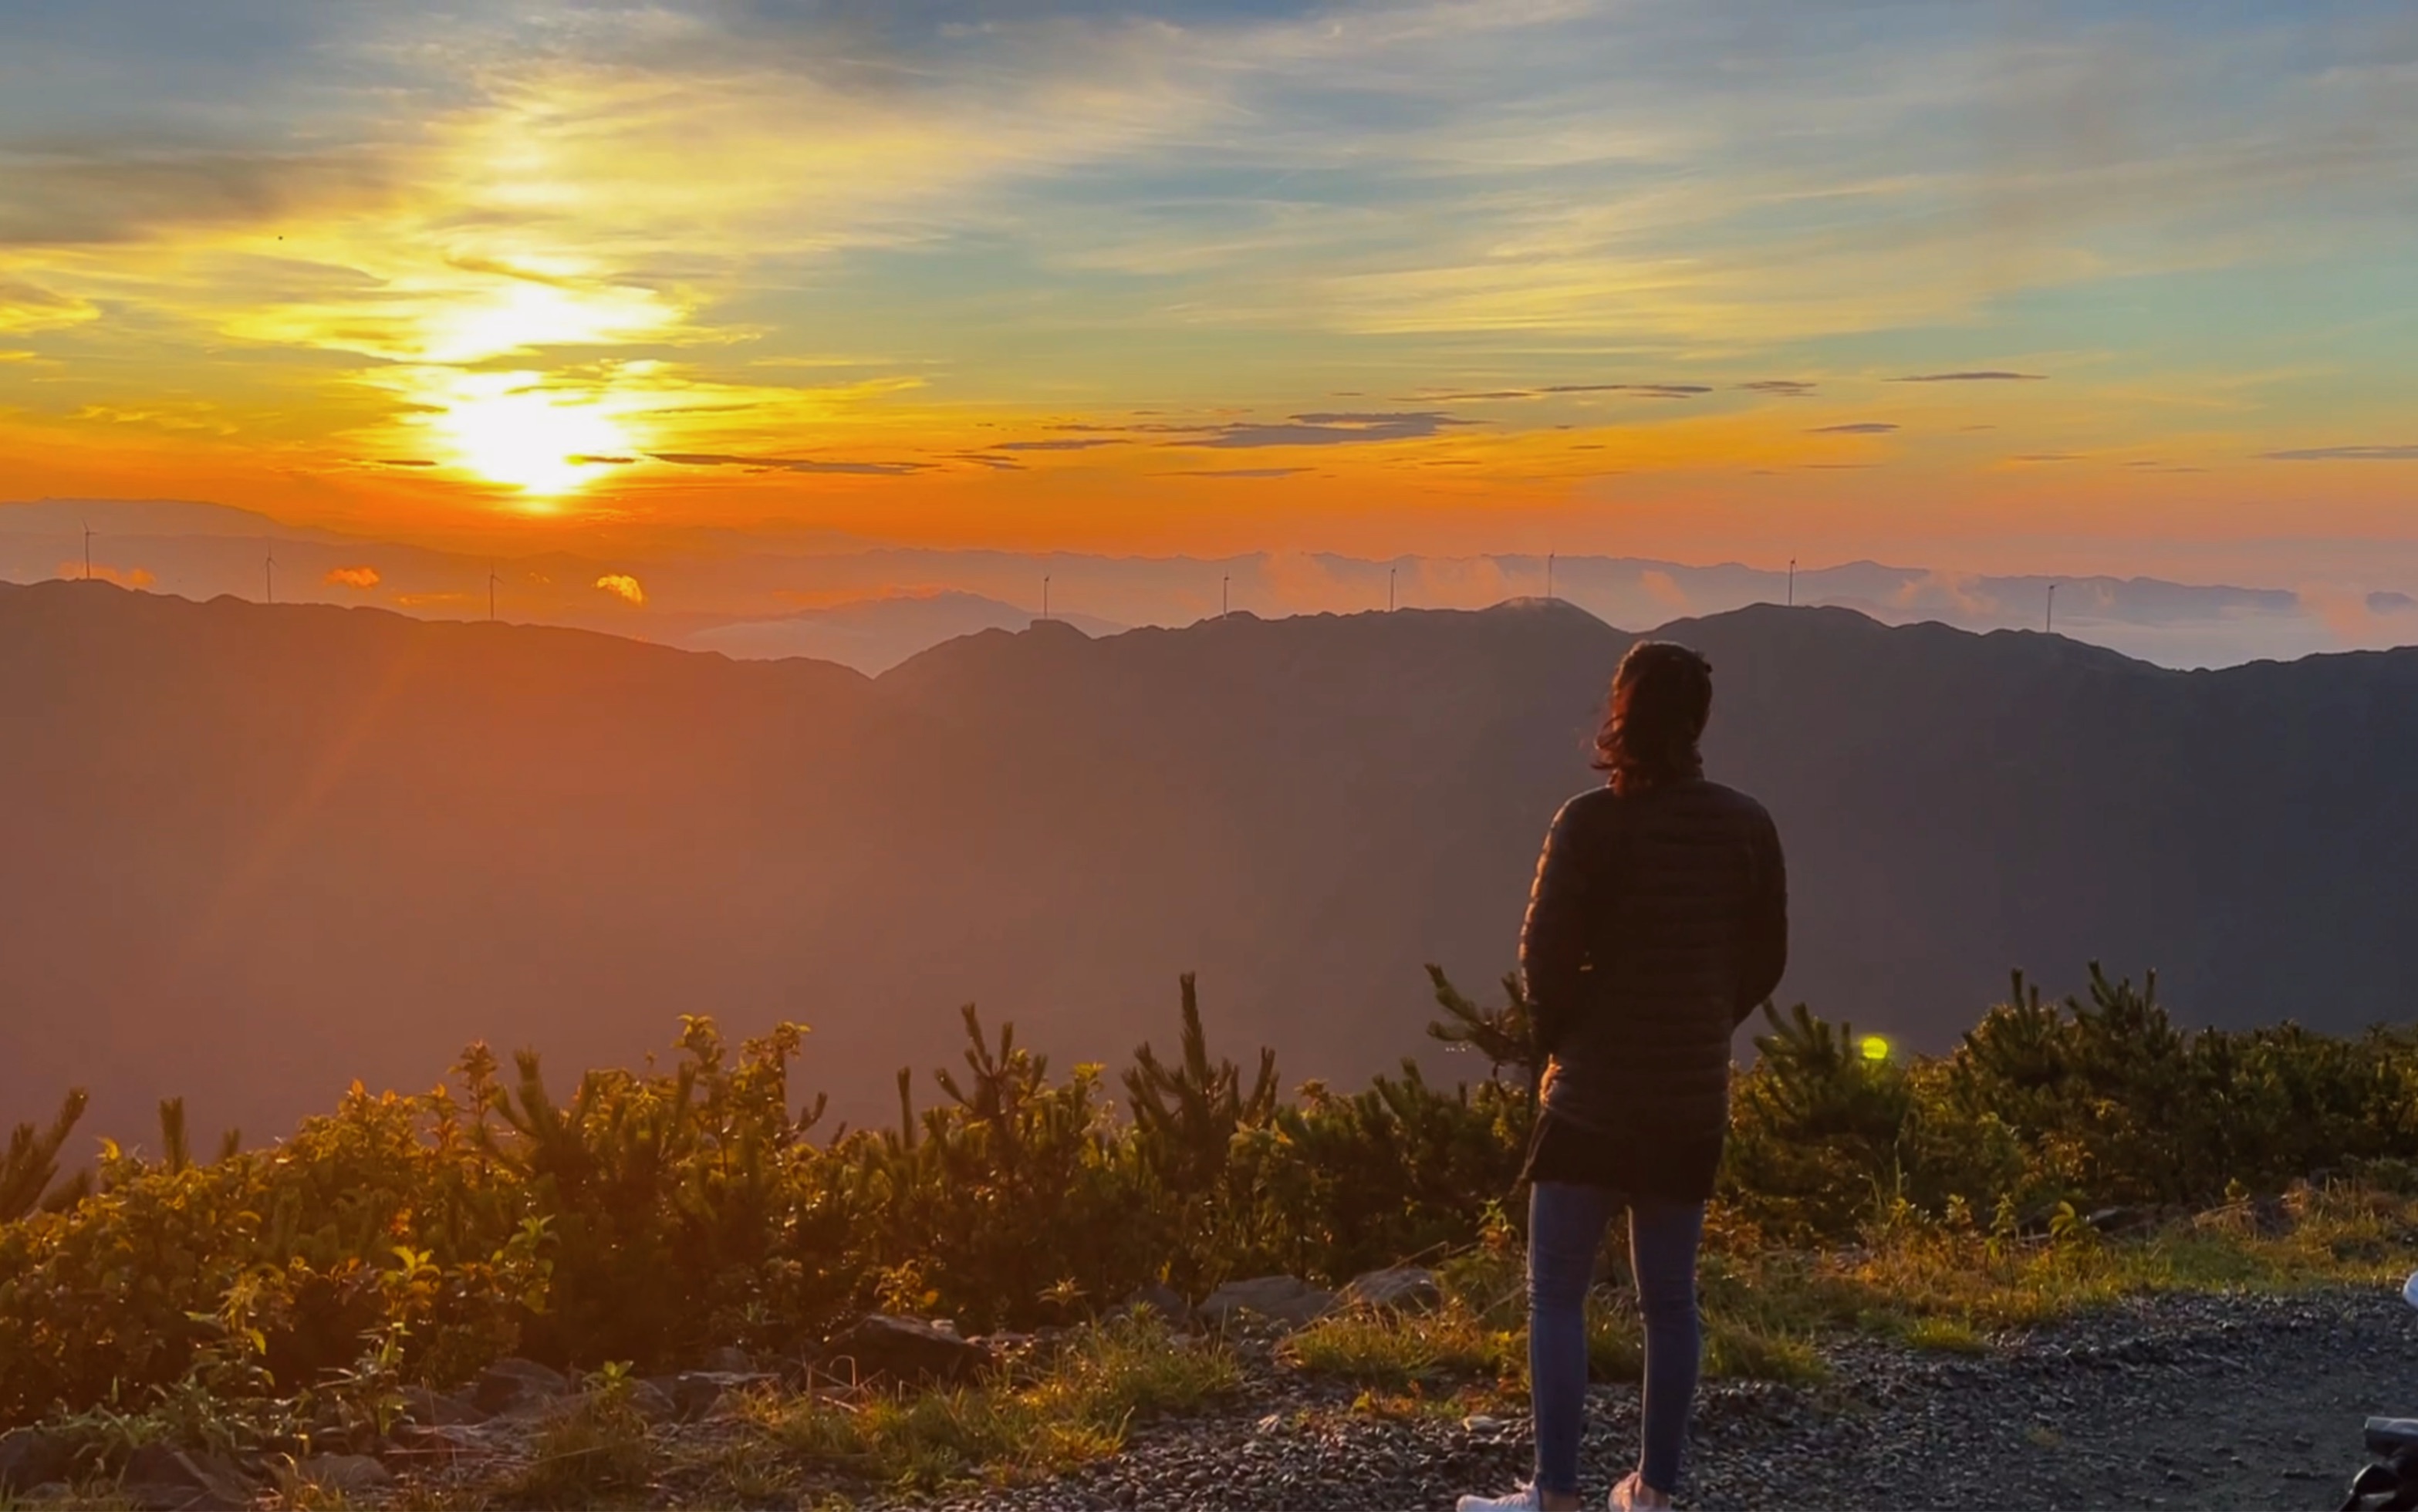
(255, 852)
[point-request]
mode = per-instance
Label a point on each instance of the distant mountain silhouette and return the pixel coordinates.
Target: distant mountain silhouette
(873, 635)
(769, 590)
(256, 852)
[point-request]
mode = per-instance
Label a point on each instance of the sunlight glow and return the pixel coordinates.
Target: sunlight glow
(508, 430)
(1875, 1048)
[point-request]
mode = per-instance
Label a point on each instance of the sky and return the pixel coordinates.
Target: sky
(2012, 287)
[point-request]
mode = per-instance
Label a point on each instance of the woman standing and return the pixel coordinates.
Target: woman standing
(1658, 922)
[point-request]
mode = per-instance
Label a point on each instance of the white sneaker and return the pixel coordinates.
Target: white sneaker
(1524, 1500)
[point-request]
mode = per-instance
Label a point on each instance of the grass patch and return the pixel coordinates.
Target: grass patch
(1948, 1336)
(597, 1454)
(1926, 1284)
(1735, 1348)
(1740, 1351)
(1401, 1349)
(1480, 1335)
(1942, 1287)
(1074, 1409)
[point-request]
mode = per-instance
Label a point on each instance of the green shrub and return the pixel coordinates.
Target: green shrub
(648, 1216)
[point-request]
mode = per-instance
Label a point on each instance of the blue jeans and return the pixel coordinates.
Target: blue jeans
(1565, 1225)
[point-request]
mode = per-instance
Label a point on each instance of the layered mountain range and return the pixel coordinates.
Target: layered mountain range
(770, 592)
(254, 853)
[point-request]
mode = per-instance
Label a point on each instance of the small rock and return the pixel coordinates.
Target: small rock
(1166, 1301)
(351, 1474)
(1401, 1288)
(437, 1409)
(1284, 1299)
(654, 1401)
(728, 1359)
(694, 1394)
(158, 1476)
(907, 1350)
(34, 1456)
(437, 1442)
(506, 1384)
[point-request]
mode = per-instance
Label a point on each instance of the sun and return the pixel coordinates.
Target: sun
(509, 430)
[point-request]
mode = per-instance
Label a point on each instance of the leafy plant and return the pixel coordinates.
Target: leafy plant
(649, 1215)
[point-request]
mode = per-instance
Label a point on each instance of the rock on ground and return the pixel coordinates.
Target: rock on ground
(512, 1384)
(1284, 1299)
(903, 1350)
(1401, 1288)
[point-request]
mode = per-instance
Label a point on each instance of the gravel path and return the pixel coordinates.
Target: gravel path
(2181, 1402)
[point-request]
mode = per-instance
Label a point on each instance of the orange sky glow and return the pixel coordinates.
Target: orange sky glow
(1968, 289)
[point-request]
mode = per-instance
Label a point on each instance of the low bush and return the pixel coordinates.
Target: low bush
(647, 1216)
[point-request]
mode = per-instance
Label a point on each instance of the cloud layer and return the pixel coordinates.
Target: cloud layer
(879, 267)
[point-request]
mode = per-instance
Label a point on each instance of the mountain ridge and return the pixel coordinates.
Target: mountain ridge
(260, 851)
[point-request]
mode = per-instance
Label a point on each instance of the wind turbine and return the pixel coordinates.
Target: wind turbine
(2048, 622)
(1549, 575)
(1389, 590)
(1045, 595)
(1792, 582)
(87, 551)
(1222, 584)
(491, 591)
(268, 574)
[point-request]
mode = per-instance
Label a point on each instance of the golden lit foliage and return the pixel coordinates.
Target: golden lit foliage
(644, 1217)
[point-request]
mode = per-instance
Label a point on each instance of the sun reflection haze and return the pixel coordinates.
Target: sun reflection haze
(506, 428)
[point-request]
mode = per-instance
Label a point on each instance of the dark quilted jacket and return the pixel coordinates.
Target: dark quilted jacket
(1658, 923)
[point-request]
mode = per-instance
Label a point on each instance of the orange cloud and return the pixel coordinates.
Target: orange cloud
(624, 588)
(1664, 589)
(133, 578)
(352, 577)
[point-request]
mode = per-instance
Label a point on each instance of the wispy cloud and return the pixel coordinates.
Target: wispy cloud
(2345, 453)
(804, 465)
(1641, 391)
(1329, 429)
(1237, 472)
(1855, 428)
(541, 246)
(29, 307)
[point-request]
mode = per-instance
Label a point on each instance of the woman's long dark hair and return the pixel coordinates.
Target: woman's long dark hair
(1661, 696)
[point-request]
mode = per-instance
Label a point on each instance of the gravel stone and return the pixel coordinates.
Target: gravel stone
(2217, 1401)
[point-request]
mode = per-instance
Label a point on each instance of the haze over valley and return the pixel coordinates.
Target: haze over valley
(770, 592)
(261, 851)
